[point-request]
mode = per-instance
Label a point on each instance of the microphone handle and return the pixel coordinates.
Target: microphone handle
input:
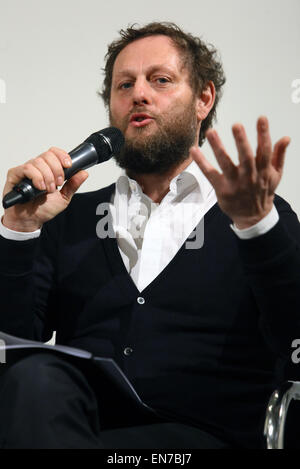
(84, 156)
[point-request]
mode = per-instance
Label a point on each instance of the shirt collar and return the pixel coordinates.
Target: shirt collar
(191, 174)
(184, 181)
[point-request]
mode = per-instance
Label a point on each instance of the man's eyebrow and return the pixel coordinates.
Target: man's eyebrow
(153, 68)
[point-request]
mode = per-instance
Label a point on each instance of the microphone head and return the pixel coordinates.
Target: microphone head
(107, 142)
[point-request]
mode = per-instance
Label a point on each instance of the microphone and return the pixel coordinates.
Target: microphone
(97, 148)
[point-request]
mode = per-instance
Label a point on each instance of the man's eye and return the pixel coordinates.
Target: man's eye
(125, 85)
(162, 80)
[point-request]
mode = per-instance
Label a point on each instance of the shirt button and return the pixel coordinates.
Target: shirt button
(128, 351)
(140, 300)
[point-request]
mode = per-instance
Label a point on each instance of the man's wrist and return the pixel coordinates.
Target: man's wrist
(248, 222)
(20, 227)
(259, 228)
(16, 235)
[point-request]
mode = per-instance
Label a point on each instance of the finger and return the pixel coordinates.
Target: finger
(73, 184)
(56, 167)
(62, 155)
(49, 178)
(244, 149)
(208, 169)
(51, 164)
(223, 159)
(279, 153)
(27, 170)
(264, 144)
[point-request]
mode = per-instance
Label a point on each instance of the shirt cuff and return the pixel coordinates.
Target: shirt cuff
(17, 235)
(260, 228)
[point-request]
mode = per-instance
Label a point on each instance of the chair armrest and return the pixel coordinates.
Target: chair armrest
(277, 411)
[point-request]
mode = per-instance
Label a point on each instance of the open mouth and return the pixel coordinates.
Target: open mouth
(139, 120)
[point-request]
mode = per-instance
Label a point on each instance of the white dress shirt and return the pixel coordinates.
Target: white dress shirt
(148, 234)
(155, 232)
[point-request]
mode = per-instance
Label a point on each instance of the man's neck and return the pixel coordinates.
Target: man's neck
(157, 185)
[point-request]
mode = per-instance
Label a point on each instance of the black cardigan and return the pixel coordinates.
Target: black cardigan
(207, 341)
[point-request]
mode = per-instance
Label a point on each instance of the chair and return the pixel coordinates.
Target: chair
(276, 413)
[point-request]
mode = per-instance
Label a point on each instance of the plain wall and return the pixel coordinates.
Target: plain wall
(51, 55)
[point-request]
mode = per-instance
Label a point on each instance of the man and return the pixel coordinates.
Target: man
(201, 330)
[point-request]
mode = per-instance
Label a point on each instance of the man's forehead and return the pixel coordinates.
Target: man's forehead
(149, 52)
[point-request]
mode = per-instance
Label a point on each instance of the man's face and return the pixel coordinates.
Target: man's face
(152, 103)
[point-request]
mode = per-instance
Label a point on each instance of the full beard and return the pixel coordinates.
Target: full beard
(162, 150)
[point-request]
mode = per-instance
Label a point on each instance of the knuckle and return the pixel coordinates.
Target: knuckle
(49, 177)
(27, 166)
(10, 177)
(54, 152)
(48, 155)
(39, 178)
(52, 160)
(10, 172)
(39, 160)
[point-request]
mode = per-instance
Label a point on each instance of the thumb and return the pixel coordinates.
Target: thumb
(73, 184)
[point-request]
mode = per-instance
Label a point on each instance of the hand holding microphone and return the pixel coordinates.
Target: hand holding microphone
(30, 197)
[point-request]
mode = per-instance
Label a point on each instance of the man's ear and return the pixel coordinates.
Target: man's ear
(206, 100)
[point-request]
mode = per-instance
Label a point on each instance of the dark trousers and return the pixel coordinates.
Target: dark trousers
(47, 402)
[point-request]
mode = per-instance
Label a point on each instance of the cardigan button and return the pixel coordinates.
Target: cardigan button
(128, 351)
(140, 300)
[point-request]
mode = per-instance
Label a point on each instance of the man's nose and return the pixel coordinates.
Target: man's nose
(141, 92)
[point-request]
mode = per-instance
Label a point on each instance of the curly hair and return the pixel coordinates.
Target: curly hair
(199, 58)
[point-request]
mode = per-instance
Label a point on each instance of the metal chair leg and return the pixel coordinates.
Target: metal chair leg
(277, 411)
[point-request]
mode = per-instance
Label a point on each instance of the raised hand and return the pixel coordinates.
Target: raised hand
(245, 192)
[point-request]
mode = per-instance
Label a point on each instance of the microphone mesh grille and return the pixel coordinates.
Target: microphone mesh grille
(115, 138)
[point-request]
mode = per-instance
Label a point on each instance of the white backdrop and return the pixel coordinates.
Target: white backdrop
(51, 55)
